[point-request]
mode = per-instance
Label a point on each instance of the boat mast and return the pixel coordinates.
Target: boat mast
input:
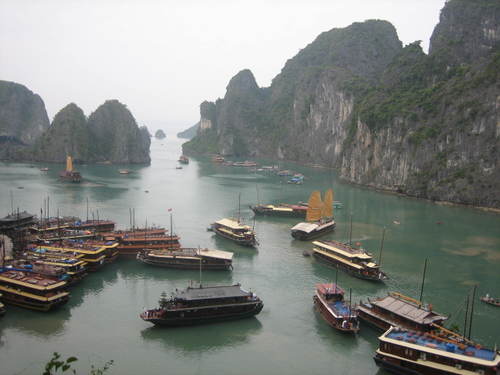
(466, 314)
(350, 232)
(239, 206)
(200, 262)
(423, 281)
(381, 248)
(11, 203)
(472, 310)
(87, 209)
(171, 226)
(336, 278)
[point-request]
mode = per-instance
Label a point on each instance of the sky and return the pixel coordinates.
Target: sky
(163, 58)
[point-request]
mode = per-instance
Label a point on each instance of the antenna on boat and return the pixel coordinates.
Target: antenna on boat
(423, 281)
(258, 196)
(350, 297)
(87, 209)
(381, 248)
(11, 203)
(97, 217)
(472, 310)
(48, 207)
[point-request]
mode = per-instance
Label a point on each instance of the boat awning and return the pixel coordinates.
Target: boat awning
(215, 292)
(212, 253)
(282, 209)
(337, 248)
(305, 227)
(339, 259)
(233, 224)
(408, 310)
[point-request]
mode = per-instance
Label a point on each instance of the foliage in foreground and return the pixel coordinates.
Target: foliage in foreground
(57, 365)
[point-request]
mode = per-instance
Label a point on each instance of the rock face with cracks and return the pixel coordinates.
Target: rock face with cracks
(384, 115)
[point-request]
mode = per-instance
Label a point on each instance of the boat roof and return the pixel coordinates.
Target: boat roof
(233, 224)
(329, 288)
(408, 310)
(213, 253)
(343, 249)
(279, 208)
(212, 292)
(16, 216)
(29, 279)
(441, 347)
(305, 227)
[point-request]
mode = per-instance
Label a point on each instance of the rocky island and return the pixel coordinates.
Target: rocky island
(384, 115)
(109, 134)
(160, 134)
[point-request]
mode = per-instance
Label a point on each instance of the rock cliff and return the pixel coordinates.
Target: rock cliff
(385, 116)
(116, 136)
(23, 119)
(160, 134)
(67, 135)
(190, 132)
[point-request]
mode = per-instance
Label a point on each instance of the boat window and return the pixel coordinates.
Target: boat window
(423, 357)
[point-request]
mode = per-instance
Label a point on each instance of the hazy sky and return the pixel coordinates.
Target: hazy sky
(163, 58)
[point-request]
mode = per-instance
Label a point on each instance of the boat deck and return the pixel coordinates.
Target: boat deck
(341, 307)
(30, 279)
(436, 344)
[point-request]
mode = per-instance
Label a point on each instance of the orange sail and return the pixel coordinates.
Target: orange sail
(327, 209)
(314, 207)
(69, 164)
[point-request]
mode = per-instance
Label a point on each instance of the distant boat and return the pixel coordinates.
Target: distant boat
(178, 167)
(183, 159)
(218, 159)
(297, 179)
(490, 300)
(235, 231)
(44, 169)
(283, 209)
(69, 174)
(246, 163)
(319, 217)
(123, 171)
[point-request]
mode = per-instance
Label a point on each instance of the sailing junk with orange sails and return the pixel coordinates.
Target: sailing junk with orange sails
(69, 174)
(319, 217)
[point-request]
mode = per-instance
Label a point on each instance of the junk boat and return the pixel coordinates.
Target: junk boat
(490, 300)
(188, 258)
(197, 305)
(235, 231)
(409, 352)
(398, 310)
(69, 174)
(183, 159)
(74, 268)
(355, 261)
(319, 217)
(93, 225)
(285, 210)
(32, 290)
(329, 301)
(95, 255)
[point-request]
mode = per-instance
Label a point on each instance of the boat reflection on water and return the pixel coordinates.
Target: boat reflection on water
(34, 323)
(191, 340)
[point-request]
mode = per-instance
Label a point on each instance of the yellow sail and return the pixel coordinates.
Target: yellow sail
(314, 207)
(328, 204)
(69, 164)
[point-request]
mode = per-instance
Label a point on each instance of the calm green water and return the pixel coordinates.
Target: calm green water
(101, 321)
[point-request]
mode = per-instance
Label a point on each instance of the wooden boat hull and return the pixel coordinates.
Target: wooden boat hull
(330, 319)
(490, 302)
(242, 242)
(184, 264)
(397, 367)
(380, 277)
(303, 236)
(206, 315)
(27, 303)
(277, 213)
